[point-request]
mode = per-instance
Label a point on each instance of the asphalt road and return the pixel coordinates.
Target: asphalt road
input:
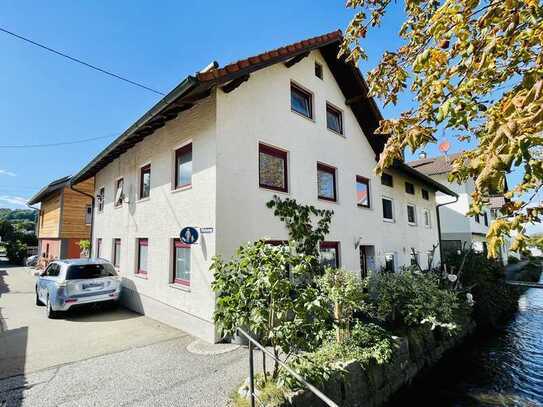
(102, 358)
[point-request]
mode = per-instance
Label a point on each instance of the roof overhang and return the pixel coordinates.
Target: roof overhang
(194, 88)
(49, 189)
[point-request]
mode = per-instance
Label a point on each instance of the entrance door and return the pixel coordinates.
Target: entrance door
(367, 254)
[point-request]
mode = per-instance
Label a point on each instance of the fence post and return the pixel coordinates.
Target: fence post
(251, 375)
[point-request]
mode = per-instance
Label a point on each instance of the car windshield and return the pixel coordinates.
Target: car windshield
(86, 271)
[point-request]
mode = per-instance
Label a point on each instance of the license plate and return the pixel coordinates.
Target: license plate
(92, 286)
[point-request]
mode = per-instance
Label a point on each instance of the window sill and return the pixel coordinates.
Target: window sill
(337, 133)
(180, 287)
(117, 206)
(278, 191)
(142, 276)
(311, 119)
(182, 188)
(147, 198)
(327, 200)
(364, 206)
(389, 220)
(411, 224)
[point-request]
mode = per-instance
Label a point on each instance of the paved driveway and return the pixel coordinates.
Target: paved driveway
(102, 358)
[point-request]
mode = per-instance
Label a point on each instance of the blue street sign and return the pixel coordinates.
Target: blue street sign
(189, 235)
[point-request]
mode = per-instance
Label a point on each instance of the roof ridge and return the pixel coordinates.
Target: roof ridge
(283, 51)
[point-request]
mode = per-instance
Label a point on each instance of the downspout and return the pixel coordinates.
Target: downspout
(439, 229)
(92, 215)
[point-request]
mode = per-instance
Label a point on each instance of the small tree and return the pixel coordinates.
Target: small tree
(345, 291)
(263, 288)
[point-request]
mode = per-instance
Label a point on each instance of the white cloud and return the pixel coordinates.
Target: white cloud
(13, 200)
(8, 173)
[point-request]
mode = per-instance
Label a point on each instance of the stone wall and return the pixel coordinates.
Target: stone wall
(372, 386)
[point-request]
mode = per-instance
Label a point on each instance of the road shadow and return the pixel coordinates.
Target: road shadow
(12, 355)
(99, 313)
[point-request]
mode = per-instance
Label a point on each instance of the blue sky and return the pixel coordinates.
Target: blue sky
(48, 99)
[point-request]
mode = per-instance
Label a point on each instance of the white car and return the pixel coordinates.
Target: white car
(68, 283)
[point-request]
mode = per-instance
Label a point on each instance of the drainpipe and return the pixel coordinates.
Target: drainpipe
(92, 214)
(439, 229)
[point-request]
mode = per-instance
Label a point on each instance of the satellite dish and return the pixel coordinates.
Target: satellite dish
(444, 146)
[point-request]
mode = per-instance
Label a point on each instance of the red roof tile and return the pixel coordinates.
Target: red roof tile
(268, 55)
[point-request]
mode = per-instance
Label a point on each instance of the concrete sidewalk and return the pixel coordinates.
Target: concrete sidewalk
(103, 358)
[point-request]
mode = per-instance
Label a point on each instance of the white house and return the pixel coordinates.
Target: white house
(295, 122)
(458, 229)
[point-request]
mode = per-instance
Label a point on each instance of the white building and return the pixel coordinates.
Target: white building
(458, 229)
(295, 122)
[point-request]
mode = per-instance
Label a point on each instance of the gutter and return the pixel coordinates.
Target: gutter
(439, 229)
(92, 214)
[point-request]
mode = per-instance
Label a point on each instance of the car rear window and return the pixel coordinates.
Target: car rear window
(86, 271)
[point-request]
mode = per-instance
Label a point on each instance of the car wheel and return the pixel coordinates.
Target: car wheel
(38, 301)
(51, 314)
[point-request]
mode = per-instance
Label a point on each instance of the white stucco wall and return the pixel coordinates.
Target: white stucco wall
(161, 217)
(225, 130)
(259, 111)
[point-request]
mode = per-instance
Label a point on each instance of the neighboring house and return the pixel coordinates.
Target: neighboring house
(457, 229)
(293, 122)
(64, 217)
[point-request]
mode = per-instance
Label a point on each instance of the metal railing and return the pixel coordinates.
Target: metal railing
(254, 398)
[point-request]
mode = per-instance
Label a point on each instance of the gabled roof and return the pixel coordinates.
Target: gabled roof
(194, 88)
(49, 189)
(434, 165)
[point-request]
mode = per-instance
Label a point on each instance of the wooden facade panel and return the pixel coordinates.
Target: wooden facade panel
(49, 225)
(74, 210)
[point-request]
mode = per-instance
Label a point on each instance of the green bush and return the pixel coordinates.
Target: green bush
(267, 289)
(408, 299)
(367, 343)
(495, 301)
(16, 252)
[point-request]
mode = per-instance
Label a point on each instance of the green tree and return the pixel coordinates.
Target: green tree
(265, 288)
(476, 68)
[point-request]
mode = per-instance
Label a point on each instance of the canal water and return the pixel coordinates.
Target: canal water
(504, 368)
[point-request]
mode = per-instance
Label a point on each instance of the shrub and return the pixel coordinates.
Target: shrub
(367, 343)
(264, 288)
(345, 291)
(16, 251)
(409, 298)
(495, 301)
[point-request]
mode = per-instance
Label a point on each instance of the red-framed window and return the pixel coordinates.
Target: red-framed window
(145, 181)
(301, 101)
(329, 254)
(326, 182)
(334, 119)
(143, 251)
(116, 252)
(272, 168)
(362, 191)
(181, 263)
(183, 166)
(98, 247)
